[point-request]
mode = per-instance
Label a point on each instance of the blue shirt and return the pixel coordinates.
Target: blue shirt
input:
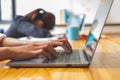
(21, 27)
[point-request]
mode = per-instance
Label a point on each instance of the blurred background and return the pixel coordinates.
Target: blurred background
(61, 9)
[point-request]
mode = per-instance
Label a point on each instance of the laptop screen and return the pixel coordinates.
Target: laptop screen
(97, 25)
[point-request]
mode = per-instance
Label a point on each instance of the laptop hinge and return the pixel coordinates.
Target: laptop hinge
(87, 56)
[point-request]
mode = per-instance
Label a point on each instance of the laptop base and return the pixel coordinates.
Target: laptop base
(76, 59)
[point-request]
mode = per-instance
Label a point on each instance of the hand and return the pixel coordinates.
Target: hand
(32, 50)
(63, 42)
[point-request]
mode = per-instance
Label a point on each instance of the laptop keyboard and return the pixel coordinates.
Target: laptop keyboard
(67, 58)
(76, 57)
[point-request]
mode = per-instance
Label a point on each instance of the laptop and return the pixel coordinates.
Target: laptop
(79, 58)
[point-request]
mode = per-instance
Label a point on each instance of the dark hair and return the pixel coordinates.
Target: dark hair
(40, 14)
(48, 19)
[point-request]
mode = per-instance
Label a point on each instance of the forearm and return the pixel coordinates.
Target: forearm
(4, 53)
(13, 42)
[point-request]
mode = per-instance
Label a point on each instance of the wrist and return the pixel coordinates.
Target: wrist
(11, 52)
(4, 53)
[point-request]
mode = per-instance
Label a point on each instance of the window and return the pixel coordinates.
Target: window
(7, 10)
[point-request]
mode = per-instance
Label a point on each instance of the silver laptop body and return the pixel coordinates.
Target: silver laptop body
(79, 58)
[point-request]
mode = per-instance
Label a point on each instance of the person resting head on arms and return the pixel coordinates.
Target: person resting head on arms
(14, 49)
(37, 23)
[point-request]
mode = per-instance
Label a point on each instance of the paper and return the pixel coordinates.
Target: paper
(38, 39)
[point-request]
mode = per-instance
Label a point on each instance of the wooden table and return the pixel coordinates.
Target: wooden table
(105, 66)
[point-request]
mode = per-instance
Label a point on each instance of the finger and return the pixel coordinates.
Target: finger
(42, 52)
(52, 51)
(37, 46)
(66, 44)
(49, 49)
(63, 46)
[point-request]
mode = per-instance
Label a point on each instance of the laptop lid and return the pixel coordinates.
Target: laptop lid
(97, 26)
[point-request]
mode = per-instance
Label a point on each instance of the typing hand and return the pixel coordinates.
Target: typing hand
(32, 50)
(63, 42)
